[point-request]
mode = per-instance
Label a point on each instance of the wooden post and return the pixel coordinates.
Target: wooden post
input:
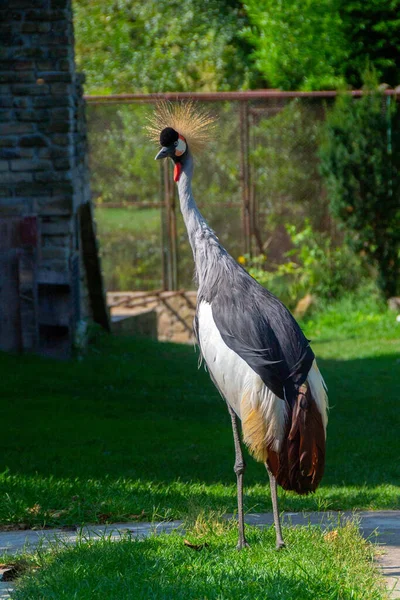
(174, 239)
(164, 227)
(245, 175)
(92, 267)
(171, 229)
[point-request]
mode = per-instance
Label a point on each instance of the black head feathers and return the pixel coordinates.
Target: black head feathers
(168, 136)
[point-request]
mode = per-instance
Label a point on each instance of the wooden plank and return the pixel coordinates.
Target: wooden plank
(53, 277)
(10, 323)
(10, 234)
(92, 267)
(28, 299)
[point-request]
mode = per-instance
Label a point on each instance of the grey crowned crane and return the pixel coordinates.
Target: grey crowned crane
(256, 354)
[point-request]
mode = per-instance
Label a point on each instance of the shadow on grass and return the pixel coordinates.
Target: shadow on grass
(136, 417)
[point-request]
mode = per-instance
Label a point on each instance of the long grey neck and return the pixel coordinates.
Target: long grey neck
(202, 239)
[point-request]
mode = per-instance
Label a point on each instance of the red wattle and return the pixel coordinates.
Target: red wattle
(177, 171)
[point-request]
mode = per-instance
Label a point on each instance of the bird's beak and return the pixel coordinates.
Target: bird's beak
(164, 152)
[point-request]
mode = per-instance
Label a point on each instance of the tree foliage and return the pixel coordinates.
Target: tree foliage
(323, 44)
(314, 265)
(162, 45)
(299, 43)
(360, 160)
(371, 29)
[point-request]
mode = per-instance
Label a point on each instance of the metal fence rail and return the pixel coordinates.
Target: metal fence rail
(260, 172)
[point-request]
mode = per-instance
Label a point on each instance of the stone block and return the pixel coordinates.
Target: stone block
(6, 102)
(16, 4)
(9, 153)
(63, 188)
(24, 65)
(8, 64)
(16, 76)
(21, 102)
(61, 52)
(6, 29)
(5, 115)
(15, 128)
(64, 65)
(61, 152)
(8, 142)
(46, 15)
(56, 253)
(61, 139)
(26, 152)
(33, 89)
(56, 240)
(33, 115)
(45, 65)
(29, 27)
(35, 52)
(56, 226)
(14, 15)
(12, 40)
(62, 163)
(55, 206)
(31, 190)
(55, 77)
(62, 114)
(53, 39)
(31, 141)
(44, 27)
(30, 165)
(61, 4)
(55, 126)
(51, 102)
(4, 164)
(44, 153)
(9, 178)
(11, 210)
(53, 177)
(61, 88)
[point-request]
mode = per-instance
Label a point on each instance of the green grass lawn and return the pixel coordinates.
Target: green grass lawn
(313, 566)
(135, 431)
(132, 220)
(131, 247)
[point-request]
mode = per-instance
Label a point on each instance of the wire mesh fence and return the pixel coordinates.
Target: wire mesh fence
(258, 174)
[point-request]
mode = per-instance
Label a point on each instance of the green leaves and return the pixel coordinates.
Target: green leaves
(360, 160)
(161, 45)
(324, 44)
(315, 265)
(299, 45)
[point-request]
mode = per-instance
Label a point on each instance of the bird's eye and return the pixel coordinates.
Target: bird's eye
(176, 143)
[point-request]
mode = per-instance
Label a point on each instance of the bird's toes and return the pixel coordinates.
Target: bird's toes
(280, 544)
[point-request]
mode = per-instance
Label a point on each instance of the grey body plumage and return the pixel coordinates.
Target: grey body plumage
(252, 321)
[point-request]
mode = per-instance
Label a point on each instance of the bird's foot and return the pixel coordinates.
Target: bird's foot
(242, 544)
(280, 544)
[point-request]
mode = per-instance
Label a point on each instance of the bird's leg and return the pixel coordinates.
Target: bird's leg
(274, 496)
(239, 469)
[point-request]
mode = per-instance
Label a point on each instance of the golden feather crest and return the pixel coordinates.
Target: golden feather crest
(193, 122)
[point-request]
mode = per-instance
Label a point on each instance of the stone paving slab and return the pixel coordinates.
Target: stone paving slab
(381, 527)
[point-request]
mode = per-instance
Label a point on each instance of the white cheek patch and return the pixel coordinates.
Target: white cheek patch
(181, 146)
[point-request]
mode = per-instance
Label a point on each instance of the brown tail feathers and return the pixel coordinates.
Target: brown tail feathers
(299, 466)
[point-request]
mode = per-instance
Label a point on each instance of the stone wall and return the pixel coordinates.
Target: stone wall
(174, 312)
(43, 159)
